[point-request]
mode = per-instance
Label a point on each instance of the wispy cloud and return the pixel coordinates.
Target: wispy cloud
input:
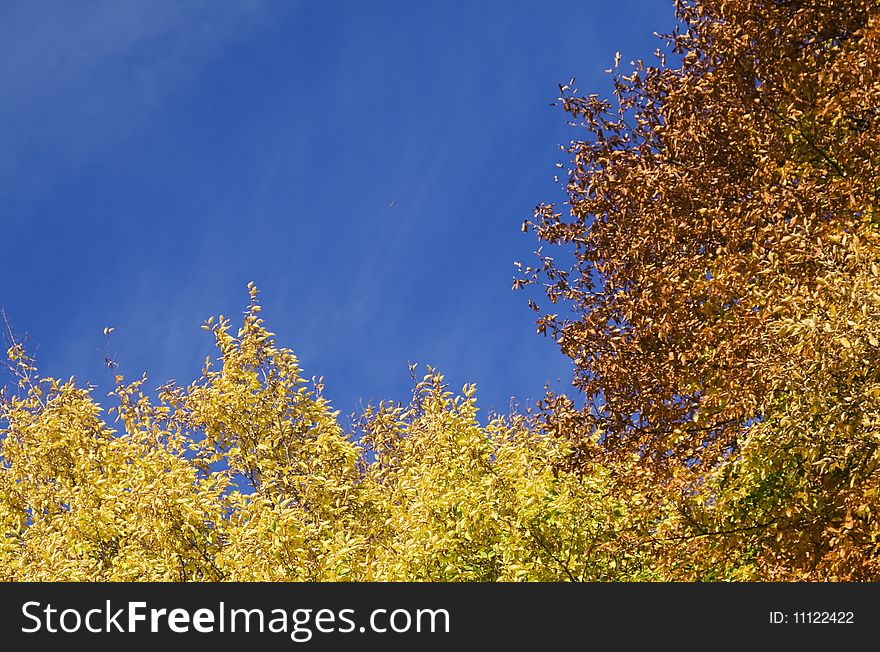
(87, 72)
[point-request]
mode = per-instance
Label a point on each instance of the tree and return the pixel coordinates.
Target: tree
(722, 312)
(247, 475)
(462, 502)
(81, 501)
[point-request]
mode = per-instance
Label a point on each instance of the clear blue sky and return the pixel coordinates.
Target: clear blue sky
(367, 164)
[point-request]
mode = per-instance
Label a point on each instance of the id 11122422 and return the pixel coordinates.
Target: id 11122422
(812, 617)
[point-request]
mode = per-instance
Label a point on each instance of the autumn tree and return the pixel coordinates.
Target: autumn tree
(722, 313)
(247, 475)
(81, 500)
(457, 501)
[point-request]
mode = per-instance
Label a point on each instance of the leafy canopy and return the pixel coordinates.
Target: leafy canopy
(247, 475)
(723, 313)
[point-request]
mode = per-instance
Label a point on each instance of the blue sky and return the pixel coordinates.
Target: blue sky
(367, 164)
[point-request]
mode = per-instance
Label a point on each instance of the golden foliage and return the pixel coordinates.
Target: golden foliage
(722, 314)
(247, 475)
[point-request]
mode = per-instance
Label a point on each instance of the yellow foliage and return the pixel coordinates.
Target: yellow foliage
(246, 475)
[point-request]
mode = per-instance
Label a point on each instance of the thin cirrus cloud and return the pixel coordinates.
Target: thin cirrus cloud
(88, 71)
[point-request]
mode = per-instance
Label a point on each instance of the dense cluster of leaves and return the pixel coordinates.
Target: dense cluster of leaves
(247, 475)
(723, 313)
